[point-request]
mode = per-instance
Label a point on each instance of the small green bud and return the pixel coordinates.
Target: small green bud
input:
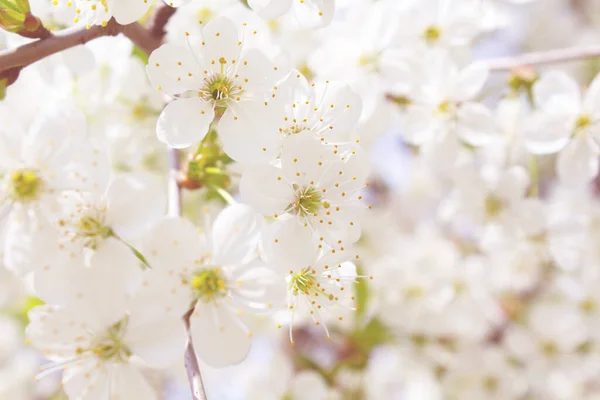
(13, 16)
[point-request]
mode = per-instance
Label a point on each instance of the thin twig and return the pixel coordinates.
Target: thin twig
(543, 58)
(174, 187)
(175, 206)
(191, 363)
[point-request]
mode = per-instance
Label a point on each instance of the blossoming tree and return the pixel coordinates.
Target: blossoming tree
(185, 183)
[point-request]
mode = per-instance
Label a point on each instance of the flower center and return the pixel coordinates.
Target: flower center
(493, 206)
(25, 184)
(292, 130)
(307, 202)
(446, 107)
(301, 282)
(369, 62)
(208, 284)
(88, 225)
(109, 346)
(432, 34)
(582, 122)
(490, 383)
(219, 88)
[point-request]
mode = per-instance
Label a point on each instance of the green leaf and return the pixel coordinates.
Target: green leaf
(374, 334)
(141, 54)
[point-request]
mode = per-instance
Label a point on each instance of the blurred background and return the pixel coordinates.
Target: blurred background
(440, 319)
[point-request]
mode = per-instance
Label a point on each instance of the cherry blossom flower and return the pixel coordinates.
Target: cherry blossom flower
(218, 275)
(329, 111)
(318, 186)
(222, 75)
(566, 122)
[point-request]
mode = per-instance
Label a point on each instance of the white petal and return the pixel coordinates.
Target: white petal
(128, 382)
(184, 122)
(513, 184)
(288, 245)
(173, 243)
(87, 381)
(260, 289)
(420, 125)
(51, 329)
(251, 135)
(168, 75)
(556, 83)
(342, 108)
(532, 216)
(270, 9)
(219, 340)
(158, 339)
(260, 72)
(592, 97)
(221, 40)
(79, 59)
(470, 82)
(549, 132)
(127, 12)
(265, 190)
(300, 158)
(135, 203)
(476, 124)
(577, 164)
(308, 385)
(314, 13)
(235, 234)
(100, 296)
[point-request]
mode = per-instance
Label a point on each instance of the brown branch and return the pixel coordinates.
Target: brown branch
(147, 39)
(32, 52)
(35, 29)
(159, 20)
(543, 58)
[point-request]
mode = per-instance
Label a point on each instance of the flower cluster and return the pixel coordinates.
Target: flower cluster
(344, 197)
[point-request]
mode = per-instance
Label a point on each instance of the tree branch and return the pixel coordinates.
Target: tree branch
(159, 20)
(147, 39)
(32, 52)
(543, 58)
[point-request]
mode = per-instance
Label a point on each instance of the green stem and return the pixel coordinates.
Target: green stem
(224, 194)
(534, 176)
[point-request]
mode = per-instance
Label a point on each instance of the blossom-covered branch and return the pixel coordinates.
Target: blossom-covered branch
(146, 38)
(544, 58)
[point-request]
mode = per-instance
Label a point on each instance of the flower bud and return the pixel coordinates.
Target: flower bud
(13, 16)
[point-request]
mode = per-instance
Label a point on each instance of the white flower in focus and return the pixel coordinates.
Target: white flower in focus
(329, 111)
(318, 186)
(566, 121)
(218, 275)
(444, 101)
(220, 75)
(92, 225)
(309, 13)
(320, 280)
(103, 351)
